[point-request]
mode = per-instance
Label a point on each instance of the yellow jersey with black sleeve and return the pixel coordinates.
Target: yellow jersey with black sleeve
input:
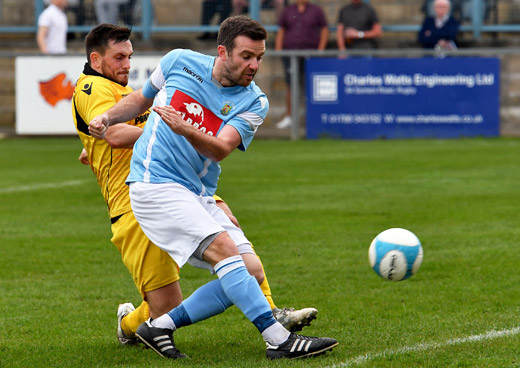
(94, 94)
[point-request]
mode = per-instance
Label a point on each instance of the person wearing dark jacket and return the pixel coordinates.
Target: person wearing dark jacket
(439, 31)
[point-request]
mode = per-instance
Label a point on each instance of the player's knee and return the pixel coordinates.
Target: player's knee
(221, 248)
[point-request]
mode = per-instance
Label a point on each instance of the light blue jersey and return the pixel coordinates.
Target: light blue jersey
(183, 79)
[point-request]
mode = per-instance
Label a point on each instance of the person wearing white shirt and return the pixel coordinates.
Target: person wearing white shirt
(52, 28)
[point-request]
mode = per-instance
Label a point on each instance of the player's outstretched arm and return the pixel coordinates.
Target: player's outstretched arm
(215, 148)
(128, 108)
(122, 135)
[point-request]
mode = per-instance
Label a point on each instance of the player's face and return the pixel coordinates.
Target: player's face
(115, 64)
(243, 62)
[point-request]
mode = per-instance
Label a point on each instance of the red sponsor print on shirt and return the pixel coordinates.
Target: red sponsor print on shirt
(195, 114)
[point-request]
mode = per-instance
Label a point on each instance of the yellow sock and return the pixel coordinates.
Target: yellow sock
(267, 292)
(132, 320)
(265, 286)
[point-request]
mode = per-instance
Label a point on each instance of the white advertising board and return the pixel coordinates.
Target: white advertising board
(44, 87)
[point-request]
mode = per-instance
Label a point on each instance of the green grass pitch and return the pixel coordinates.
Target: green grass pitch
(311, 208)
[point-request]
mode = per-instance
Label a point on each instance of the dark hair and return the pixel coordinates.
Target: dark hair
(239, 25)
(99, 37)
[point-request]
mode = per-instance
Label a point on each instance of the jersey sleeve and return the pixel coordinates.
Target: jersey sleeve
(157, 79)
(247, 123)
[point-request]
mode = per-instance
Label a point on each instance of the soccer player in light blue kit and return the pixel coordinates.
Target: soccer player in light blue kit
(203, 108)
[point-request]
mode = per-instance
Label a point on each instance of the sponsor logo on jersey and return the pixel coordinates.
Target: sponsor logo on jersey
(141, 118)
(196, 114)
(193, 74)
(195, 109)
(56, 89)
(87, 88)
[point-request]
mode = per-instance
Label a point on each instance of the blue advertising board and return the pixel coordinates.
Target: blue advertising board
(367, 98)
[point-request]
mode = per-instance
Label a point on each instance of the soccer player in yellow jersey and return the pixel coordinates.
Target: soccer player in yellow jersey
(101, 85)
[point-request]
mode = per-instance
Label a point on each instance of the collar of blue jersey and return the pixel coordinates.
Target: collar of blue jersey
(87, 70)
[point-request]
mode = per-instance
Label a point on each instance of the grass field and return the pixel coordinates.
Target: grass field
(311, 208)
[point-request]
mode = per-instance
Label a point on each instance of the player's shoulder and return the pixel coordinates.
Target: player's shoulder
(187, 60)
(177, 54)
(256, 90)
(102, 80)
(93, 85)
(258, 98)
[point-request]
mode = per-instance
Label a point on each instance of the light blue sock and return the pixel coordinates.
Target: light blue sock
(205, 302)
(243, 290)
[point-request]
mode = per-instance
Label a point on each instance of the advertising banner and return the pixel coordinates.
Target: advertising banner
(44, 87)
(365, 98)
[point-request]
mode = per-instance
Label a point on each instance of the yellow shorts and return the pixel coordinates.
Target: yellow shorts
(150, 267)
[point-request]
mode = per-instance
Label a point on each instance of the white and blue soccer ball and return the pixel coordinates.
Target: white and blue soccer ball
(395, 254)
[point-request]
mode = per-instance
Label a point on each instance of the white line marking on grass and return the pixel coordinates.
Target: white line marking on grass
(30, 188)
(427, 346)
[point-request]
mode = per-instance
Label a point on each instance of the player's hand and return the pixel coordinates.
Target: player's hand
(98, 126)
(224, 207)
(172, 118)
(83, 157)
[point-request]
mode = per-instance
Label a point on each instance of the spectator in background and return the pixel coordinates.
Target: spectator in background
(439, 31)
(52, 28)
(242, 6)
(302, 26)
(358, 26)
(108, 11)
(209, 9)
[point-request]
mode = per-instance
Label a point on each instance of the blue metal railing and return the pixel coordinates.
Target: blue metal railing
(146, 26)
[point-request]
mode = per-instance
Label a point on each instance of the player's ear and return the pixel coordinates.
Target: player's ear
(95, 59)
(222, 52)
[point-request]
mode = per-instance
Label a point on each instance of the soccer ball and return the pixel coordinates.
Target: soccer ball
(395, 254)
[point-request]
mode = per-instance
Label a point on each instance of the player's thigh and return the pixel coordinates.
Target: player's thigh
(150, 267)
(173, 218)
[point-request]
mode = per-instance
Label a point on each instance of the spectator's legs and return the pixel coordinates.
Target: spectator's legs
(107, 11)
(239, 6)
(208, 11)
(225, 8)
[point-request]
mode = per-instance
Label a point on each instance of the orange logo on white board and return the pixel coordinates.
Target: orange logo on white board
(56, 89)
